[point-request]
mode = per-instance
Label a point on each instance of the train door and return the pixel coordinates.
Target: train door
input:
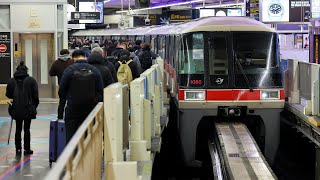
(218, 62)
(37, 50)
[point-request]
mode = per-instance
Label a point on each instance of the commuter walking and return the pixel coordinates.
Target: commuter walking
(107, 63)
(96, 60)
(57, 69)
(146, 56)
(126, 69)
(81, 84)
(23, 89)
(137, 46)
(135, 59)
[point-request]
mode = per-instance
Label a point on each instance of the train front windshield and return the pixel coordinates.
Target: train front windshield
(256, 59)
(221, 60)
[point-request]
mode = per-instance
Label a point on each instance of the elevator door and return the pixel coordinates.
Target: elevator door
(38, 53)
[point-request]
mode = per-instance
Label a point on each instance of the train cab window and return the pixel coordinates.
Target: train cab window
(191, 61)
(256, 59)
(218, 60)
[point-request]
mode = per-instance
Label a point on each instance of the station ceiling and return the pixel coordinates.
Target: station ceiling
(117, 3)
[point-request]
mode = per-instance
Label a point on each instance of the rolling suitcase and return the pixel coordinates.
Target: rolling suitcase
(57, 139)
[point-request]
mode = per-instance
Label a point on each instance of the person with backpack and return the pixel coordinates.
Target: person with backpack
(107, 62)
(137, 46)
(57, 69)
(135, 59)
(115, 55)
(146, 56)
(126, 69)
(23, 90)
(81, 84)
(96, 60)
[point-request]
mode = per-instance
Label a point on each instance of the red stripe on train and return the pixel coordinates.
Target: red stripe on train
(225, 95)
(231, 95)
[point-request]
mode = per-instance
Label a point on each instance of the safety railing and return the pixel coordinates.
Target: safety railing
(128, 151)
(82, 157)
(302, 85)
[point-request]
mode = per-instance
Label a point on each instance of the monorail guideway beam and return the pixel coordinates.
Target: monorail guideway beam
(236, 155)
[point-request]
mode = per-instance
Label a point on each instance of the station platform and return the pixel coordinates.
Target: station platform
(34, 166)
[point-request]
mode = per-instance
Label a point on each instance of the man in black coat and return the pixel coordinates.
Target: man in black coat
(23, 89)
(96, 60)
(57, 69)
(77, 112)
(107, 63)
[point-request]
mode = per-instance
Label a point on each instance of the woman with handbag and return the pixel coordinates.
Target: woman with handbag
(23, 90)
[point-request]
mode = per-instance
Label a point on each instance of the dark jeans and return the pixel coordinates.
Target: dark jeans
(27, 124)
(74, 117)
(62, 104)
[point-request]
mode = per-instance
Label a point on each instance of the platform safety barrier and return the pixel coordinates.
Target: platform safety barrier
(128, 150)
(301, 81)
(82, 157)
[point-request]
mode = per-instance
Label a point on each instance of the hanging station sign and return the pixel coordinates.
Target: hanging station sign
(315, 9)
(252, 9)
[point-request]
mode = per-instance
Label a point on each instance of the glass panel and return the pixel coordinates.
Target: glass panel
(258, 57)
(5, 17)
(191, 61)
(218, 61)
(28, 53)
(44, 60)
(60, 17)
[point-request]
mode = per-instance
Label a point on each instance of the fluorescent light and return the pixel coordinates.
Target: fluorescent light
(106, 1)
(222, 5)
(162, 6)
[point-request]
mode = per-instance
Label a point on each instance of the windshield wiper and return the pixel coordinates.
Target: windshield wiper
(242, 71)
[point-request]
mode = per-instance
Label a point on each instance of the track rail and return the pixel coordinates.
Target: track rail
(235, 154)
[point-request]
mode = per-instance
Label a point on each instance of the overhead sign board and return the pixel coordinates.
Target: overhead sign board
(180, 16)
(85, 15)
(252, 9)
(275, 11)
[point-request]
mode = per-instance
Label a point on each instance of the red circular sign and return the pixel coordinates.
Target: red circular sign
(3, 48)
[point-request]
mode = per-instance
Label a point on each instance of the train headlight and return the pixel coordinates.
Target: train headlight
(195, 95)
(270, 94)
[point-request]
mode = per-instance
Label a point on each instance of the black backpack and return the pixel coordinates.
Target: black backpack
(22, 107)
(82, 88)
(145, 58)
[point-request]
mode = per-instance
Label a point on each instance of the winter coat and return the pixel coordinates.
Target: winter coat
(112, 69)
(97, 61)
(59, 66)
(67, 77)
(30, 89)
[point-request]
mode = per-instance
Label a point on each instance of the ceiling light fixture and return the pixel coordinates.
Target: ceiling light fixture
(162, 6)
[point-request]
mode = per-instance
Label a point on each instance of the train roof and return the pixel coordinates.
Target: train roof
(202, 24)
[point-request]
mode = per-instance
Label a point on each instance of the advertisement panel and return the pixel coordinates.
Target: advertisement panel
(299, 10)
(5, 57)
(315, 8)
(89, 7)
(275, 11)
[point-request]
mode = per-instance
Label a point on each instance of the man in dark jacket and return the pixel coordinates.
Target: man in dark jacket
(125, 57)
(137, 46)
(96, 60)
(80, 100)
(146, 56)
(57, 69)
(107, 63)
(23, 89)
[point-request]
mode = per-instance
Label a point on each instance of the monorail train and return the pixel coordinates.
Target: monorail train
(217, 68)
